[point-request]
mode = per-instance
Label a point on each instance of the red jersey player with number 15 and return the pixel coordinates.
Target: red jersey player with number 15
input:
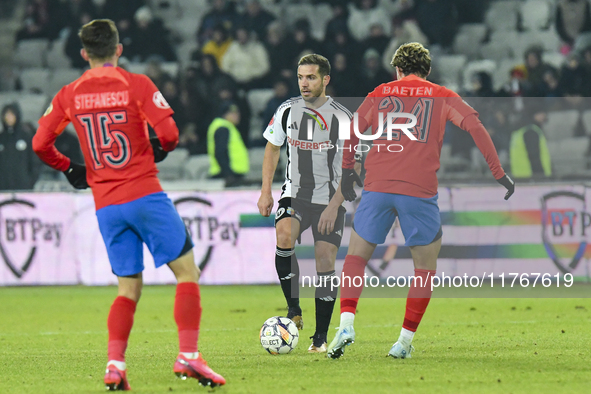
(403, 184)
(109, 108)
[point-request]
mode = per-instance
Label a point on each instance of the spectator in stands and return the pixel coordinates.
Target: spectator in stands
(228, 156)
(223, 13)
(37, 20)
(403, 31)
(372, 73)
(551, 86)
(528, 150)
(338, 23)
(73, 46)
(572, 18)
(377, 39)
(586, 65)
(19, 165)
(517, 87)
(573, 78)
(119, 11)
(225, 95)
(303, 40)
(218, 44)
(437, 20)
(70, 12)
(343, 78)
(341, 42)
(256, 19)
(150, 39)
(156, 73)
(282, 51)
(365, 14)
(246, 60)
(171, 93)
(280, 94)
(536, 69)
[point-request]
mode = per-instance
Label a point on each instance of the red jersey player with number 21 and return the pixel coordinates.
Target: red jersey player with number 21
(402, 182)
(109, 108)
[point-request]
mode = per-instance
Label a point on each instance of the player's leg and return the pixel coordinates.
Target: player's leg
(421, 224)
(287, 230)
(373, 220)
(124, 249)
(325, 293)
(163, 231)
(326, 247)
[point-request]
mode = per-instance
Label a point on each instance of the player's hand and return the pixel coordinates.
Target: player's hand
(509, 185)
(265, 204)
(347, 184)
(76, 175)
(159, 153)
(327, 220)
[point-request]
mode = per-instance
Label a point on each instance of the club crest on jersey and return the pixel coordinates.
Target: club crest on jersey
(48, 110)
(160, 101)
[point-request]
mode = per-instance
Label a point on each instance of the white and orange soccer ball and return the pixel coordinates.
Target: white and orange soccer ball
(279, 335)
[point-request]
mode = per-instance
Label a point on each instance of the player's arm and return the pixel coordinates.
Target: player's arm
(51, 125)
(270, 161)
(166, 140)
(467, 119)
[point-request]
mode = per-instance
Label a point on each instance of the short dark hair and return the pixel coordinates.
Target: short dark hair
(318, 60)
(99, 38)
(412, 58)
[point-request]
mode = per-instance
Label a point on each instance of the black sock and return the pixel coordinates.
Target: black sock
(326, 296)
(288, 272)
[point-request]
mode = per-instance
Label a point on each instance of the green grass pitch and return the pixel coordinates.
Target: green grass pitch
(53, 340)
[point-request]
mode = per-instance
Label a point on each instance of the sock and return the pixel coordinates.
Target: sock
(190, 356)
(119, 364)
(406, 336)
(418, 298)
(326, 297)
(288, 272)
(187, 315)
(119, 323)
(347, 319)
(352, 275)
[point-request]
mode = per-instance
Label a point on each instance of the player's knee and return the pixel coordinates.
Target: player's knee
(325, 262)
(184, 268)
(284, 239)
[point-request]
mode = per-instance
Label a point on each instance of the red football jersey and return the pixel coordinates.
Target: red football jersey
(109, 108)
(401, 165)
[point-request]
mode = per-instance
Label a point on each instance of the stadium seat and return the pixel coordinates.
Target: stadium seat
(473, 67)
(31, 53)
(257, 100)
(501, 73)
(449, 67)
(255, 157)
(582, 41)
(561, 124)
(495, 51)
(535, 14)
(568, 156)
(197, 167)
(587, 118)
(35, 80)
(60, 78)
(319, 19)
(469, 38)
(32, 105)
(293, 12)
(502, 15)
(172, 168)
(56, 55)
(555, 59)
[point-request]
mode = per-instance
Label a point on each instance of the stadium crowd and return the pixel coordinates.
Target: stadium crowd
(236, 47)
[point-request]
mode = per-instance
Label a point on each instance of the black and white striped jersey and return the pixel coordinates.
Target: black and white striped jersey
(314, 150)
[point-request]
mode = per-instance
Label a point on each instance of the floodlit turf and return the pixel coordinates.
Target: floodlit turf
(53, 340)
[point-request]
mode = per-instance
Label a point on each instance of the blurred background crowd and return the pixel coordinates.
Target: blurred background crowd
(525, 65)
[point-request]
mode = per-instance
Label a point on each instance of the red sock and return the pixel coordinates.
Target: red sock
(119, 323)
(352, 275)
(418, 298)
(187, 314)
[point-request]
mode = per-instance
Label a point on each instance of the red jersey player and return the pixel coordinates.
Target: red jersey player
(109, 108)
(401, 182)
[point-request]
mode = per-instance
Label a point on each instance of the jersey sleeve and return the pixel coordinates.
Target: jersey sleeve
(364, 115)
(275, 132)
(51, 125)
(152, 103)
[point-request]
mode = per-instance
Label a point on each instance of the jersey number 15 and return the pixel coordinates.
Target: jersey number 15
(107, 147)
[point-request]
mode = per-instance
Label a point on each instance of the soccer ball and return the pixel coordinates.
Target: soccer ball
(279, 335)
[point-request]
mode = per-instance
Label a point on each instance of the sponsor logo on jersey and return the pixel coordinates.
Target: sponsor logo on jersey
(101, 100)
(48, 110)
(308, 145)
(160, 101)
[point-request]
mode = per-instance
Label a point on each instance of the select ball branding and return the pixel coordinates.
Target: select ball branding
(279, 335)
